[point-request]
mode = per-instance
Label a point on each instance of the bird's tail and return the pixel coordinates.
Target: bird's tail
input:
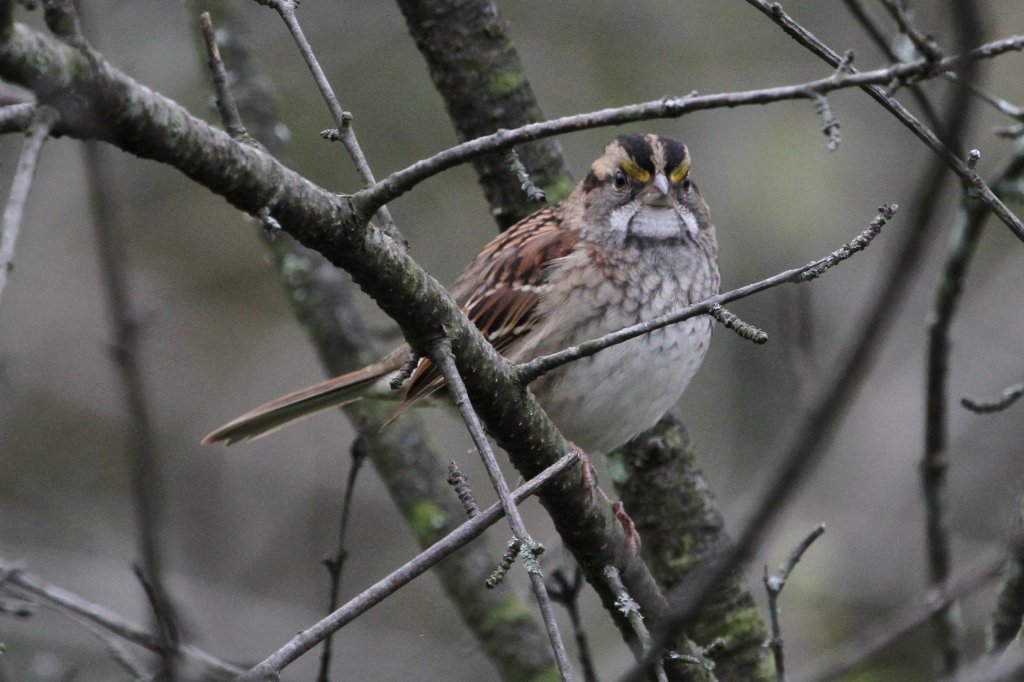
(340, 390)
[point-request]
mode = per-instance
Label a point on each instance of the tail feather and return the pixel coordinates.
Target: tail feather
(267, 418)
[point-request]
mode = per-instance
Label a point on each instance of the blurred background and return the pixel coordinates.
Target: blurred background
(245, 528)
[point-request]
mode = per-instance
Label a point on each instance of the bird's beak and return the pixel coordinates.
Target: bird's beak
(656, 194)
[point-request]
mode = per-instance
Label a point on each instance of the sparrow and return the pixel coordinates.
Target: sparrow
(631, 242)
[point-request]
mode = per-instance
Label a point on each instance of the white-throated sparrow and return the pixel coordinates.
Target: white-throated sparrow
(633, 241)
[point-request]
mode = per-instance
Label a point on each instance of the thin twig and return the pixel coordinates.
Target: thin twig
(924, 44)
(43, 121)
(226, 106)
(734, 323)
(882, 43)
(373, 595)
(774, 11)
(142, 452)
(342, 119)
(888, 629)
(567, 593)
(116, 647)
(774, 585)
(13, 577)
(1008, 397)
(441, 354)
(334, 564)
(631, 610)
(403, 180)
(457, 480)
(507, 559)
(529, 371)
(535, 193)
(935, 458)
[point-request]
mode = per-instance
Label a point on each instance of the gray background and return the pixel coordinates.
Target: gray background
(246, 527)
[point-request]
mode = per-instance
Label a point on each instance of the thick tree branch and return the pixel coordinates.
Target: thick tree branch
(477, 70)
(323, 301)
(103, 102)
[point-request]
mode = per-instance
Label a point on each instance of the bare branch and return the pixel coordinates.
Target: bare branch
(402, 181)
(860, 14)
(631, 610)
(774, 11)
(1008, 397)
(935, 457)
(342, 119)
(441, 354)
(774, 585)
(43, 120)
(336, 563)
(418, 565)
(13, 576)
(225, 102)
(734, 323)
(141, 451)
(567, 593)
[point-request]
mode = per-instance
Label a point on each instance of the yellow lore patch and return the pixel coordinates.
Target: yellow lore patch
(633, 170)
(680, 171)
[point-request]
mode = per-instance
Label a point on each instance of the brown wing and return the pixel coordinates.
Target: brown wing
(500, 289)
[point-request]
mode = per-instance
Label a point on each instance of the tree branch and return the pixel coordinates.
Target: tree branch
(43, 120)
(970, 179)
(13, 576)
(441, 354)
(370, 597)
(323, 301)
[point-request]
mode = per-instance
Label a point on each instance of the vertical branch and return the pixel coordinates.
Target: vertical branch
(631, 610)
(567, 593)
(773, 585)
(441, 354)
(934, 461)
(342, 119)
(475, 66)
(336, 563)
(147, 490)
(668, 499)
(43, 121)
(473, 62)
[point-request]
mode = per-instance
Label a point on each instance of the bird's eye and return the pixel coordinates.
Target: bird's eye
(619, 180)
(687, 183)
